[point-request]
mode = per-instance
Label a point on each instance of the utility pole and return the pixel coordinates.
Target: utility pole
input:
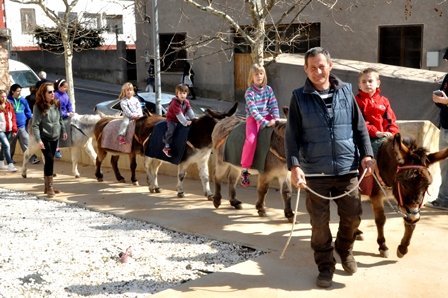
(156, 50)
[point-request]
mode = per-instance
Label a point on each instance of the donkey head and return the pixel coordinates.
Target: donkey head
(412, 177)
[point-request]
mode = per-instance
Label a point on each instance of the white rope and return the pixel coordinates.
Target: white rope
(282, 255)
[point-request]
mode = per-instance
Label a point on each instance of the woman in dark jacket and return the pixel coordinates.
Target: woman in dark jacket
(47, 126)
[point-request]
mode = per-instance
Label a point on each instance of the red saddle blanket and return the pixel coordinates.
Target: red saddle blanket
(109, 138)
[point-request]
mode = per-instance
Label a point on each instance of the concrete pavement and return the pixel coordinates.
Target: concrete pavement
(421, 273)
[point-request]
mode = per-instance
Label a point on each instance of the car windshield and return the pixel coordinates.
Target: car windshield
(24, 78)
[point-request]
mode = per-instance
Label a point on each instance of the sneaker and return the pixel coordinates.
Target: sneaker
(167, 151)
(245, 178)
(121, 140)
(324, 279)
(11, 168)
(349, 263)
(436, 205)
(58, 155)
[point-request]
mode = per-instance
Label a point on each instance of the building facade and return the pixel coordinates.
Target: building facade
(400, 32)
(116, 17)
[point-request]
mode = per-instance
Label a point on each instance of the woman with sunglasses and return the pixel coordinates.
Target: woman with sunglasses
(47, 126)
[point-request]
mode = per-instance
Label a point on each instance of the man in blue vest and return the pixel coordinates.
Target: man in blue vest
(326, 139)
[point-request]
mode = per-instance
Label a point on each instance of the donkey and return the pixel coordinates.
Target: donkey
(80, 133)
(403, 166)
(198, 150)
(141, 134)
(274, 167)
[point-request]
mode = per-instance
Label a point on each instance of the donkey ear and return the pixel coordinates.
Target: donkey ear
(438, 156)
(400, 149)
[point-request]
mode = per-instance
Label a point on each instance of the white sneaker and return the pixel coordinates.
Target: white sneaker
(11, 168)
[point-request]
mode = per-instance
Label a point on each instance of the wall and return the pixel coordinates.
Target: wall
(105, 66)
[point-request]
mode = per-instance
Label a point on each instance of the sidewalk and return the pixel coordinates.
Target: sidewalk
(421, 273)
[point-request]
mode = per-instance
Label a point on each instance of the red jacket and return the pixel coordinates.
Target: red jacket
(8, 119)
(377, 113)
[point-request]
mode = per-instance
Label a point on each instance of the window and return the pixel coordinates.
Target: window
(114, 24)
(92, 21)
(291, 38)
(72, 17)
(28, 20)
(401, 45)
(172, 51)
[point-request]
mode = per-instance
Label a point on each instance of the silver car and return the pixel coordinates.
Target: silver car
(148, 102)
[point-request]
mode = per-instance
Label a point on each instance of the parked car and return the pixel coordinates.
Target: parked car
(147, 100)
(22, 74)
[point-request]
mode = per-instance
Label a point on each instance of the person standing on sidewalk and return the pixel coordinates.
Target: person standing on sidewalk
(23, 115)
(8, 128)
(46, 126)
(325, 139)
(442, 103)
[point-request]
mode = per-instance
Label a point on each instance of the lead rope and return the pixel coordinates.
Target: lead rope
(320, 196)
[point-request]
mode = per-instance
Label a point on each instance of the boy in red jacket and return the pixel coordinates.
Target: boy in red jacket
(8, 127)
(378, 114)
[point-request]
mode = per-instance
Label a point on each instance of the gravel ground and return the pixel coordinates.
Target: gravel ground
(52, 249)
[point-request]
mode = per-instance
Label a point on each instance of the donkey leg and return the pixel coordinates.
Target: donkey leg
(114, 162)
(406, 240)
(133, 167)
(234, 177)
(204, 176)
(380, 220)
(26, 157)
(181, 173)
(75, 154)
(262, 190)
(285, 189)
(152, 166)
(88, 147)
(99, 160)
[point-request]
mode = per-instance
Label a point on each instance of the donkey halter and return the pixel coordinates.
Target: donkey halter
(403, 168)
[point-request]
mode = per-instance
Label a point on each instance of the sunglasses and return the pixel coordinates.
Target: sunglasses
(50, 92)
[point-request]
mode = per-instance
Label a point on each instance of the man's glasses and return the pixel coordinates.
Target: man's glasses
(50, 92)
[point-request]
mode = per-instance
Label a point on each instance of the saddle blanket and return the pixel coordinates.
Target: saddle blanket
(68, 128)
(109, 136)
(156, 144)
(234, 146)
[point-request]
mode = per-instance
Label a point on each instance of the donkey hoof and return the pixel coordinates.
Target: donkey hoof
(236, 204)
(23, 175)
(77, 176)
(262, 213)
(290, 219)
(384, 253)
(216, 203)
(401, 251)
(121, 181)
(180, 195)
(99, 179)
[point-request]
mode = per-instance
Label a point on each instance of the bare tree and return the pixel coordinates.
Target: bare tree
(262, 34)
(63, 24)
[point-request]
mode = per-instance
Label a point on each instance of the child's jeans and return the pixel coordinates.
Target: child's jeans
(170, 128)
(250, 144)
(5, 147)
(123, 126)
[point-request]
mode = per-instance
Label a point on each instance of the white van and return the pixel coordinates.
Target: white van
(22, 74)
